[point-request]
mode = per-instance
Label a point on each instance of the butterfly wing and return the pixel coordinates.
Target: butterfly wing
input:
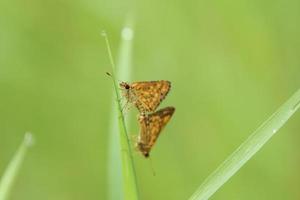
(149, 94)
(151, 126)
(157, 121)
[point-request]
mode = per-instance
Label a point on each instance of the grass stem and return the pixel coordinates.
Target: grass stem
(247, 149)
(128, 171)
(14, 166)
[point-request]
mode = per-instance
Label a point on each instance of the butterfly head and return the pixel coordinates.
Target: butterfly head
(146, 154)
(125, 85)
(144, 149)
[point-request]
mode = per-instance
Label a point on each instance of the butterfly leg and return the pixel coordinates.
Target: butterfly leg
(134, 150)
(133, 138)
(126, 107)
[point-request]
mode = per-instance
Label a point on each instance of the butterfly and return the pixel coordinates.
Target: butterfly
(147, 95)
(151, 125)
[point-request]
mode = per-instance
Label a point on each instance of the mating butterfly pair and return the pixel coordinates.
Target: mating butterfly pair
(147, 96)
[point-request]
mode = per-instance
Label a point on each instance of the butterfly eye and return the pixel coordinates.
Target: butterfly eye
(146, 155)
(127, 87)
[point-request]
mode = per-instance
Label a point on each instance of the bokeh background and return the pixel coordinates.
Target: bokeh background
(231, 64)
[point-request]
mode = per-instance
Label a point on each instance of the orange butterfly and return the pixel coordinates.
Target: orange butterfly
(147, 95)
(151, 126)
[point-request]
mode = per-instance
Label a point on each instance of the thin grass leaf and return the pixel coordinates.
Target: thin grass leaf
(128, 172)
(14, 166)
(247, 149)
(114, 167)
(123, 73)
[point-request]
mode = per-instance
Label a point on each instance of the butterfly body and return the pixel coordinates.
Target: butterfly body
(147, 95)
(151, 126)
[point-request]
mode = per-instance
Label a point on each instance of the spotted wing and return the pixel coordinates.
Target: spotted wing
(149, 94)
(151, 125)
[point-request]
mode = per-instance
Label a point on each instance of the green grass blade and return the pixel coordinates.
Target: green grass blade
(114, 162)
(14, 166)
(247, 149)
(128, 172)
(114, 158)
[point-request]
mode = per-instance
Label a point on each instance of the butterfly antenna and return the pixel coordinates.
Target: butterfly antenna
(109, 74)
(112, 77)
(152, 168)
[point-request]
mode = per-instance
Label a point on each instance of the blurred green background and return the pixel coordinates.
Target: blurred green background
(231, 64)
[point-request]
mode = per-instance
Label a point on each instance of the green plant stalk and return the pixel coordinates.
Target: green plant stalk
(14, 166)
(114, 165)
(129, 177)
(247, 149)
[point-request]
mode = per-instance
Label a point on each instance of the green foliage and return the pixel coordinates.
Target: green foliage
(247, 149)
(128, 171)
(10, 174)
(231, 65)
